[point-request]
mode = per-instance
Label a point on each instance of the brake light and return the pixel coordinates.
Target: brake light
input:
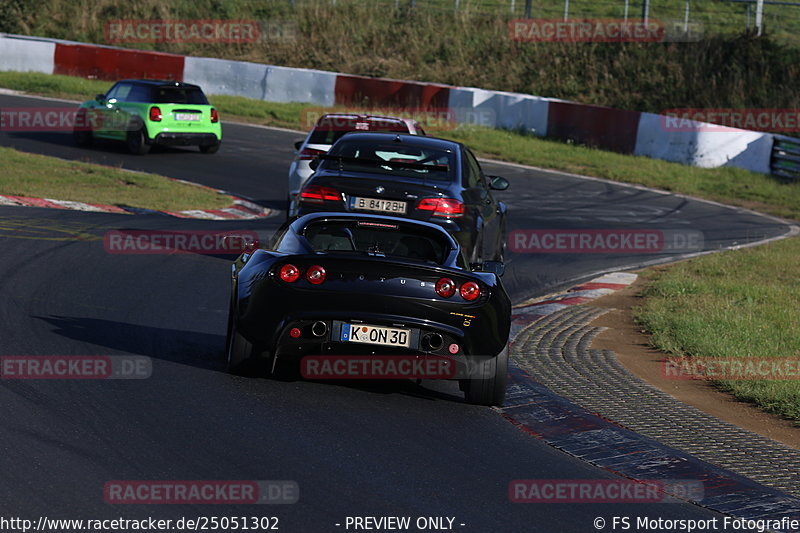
(445, 287)
(470, 291)
(307, 154)
(318, 194)
(214, 116)
(289, 273)
(155, 114)
(315, 275)
(442, 207)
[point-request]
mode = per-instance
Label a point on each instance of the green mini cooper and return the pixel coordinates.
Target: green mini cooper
(147, 112)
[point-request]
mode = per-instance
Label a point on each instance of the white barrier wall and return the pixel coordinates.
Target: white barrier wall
(494, 109)
(26, 55)
(262, 82)
(703, 145)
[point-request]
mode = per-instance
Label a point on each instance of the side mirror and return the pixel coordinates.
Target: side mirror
(498, 183)
(100, 98)
(298, 144)
(495, 267)
(314, 163)
(240, 244)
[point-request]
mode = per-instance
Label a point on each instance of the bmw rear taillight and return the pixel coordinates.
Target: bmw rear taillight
(315, 275)
(214, 116)
(318, 194)
(445, 287)
(442, 207)
(307, 154)
(470, 291)
(289, 273)
(155, 114)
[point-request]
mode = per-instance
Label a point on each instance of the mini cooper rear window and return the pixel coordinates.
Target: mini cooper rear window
(417, 244)
(179, 95)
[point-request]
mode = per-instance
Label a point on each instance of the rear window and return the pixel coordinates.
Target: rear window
(392, 158)
(178, 95)
(329, 129)
(383, 239)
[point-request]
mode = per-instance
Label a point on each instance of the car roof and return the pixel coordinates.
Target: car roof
(160, 83)
(409, 122)
(304, 220)
(405, 138)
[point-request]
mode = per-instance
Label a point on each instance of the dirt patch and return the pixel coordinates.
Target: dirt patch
(631, 346)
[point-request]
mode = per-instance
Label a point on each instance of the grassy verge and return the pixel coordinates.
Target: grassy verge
(740, 304)
(23, 174)
(729, 185)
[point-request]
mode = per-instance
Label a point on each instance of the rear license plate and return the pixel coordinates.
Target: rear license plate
(187, 116)
(377, 204)
(367, 334)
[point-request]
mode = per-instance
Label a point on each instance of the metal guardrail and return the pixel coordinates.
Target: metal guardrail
(785, 160)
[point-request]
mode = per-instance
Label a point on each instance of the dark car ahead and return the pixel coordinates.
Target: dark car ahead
(424, 178)
(376, 286)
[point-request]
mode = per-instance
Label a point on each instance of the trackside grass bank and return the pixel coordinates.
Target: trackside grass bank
(23, 174)
(738, 305)
(728, 185)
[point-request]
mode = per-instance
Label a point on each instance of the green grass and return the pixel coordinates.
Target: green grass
(23, 174)
(472, 47)
(737, 304)
(727, 184)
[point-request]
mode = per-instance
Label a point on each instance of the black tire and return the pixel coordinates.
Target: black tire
(490, 390)
(243, 357)
(83, 138)
(500, 254)
(137, 142)
(210, 148)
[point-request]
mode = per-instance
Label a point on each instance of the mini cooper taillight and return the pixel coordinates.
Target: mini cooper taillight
(315, 275)
(289, 273)
(155, 114)
(307, 154)
(445, 287)
(214, 116)
(442, 207)
(317, 194)
(470, 291)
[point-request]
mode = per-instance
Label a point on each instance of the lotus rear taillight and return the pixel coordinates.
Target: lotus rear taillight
(289, 273)
(445, 287)
(155, 114)
(315, 275)
(470, 291)
(307, 154)
(317, 194)
(214, 116)
(442, 207)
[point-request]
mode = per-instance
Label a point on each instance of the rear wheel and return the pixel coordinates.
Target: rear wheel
(210, 148)
(491, 389)
(137, 143)
(244, 358)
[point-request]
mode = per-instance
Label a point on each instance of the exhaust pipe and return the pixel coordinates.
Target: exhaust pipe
(319, 328)
(432, 341)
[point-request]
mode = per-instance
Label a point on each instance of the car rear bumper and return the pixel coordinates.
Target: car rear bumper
(172, 138)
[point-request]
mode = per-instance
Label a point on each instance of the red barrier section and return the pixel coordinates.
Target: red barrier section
(114, 63)
(360, 90)
(601, 127)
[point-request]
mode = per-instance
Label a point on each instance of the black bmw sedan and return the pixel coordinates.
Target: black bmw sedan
(424, 178)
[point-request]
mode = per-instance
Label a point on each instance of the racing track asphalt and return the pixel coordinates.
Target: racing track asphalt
(367, 449)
